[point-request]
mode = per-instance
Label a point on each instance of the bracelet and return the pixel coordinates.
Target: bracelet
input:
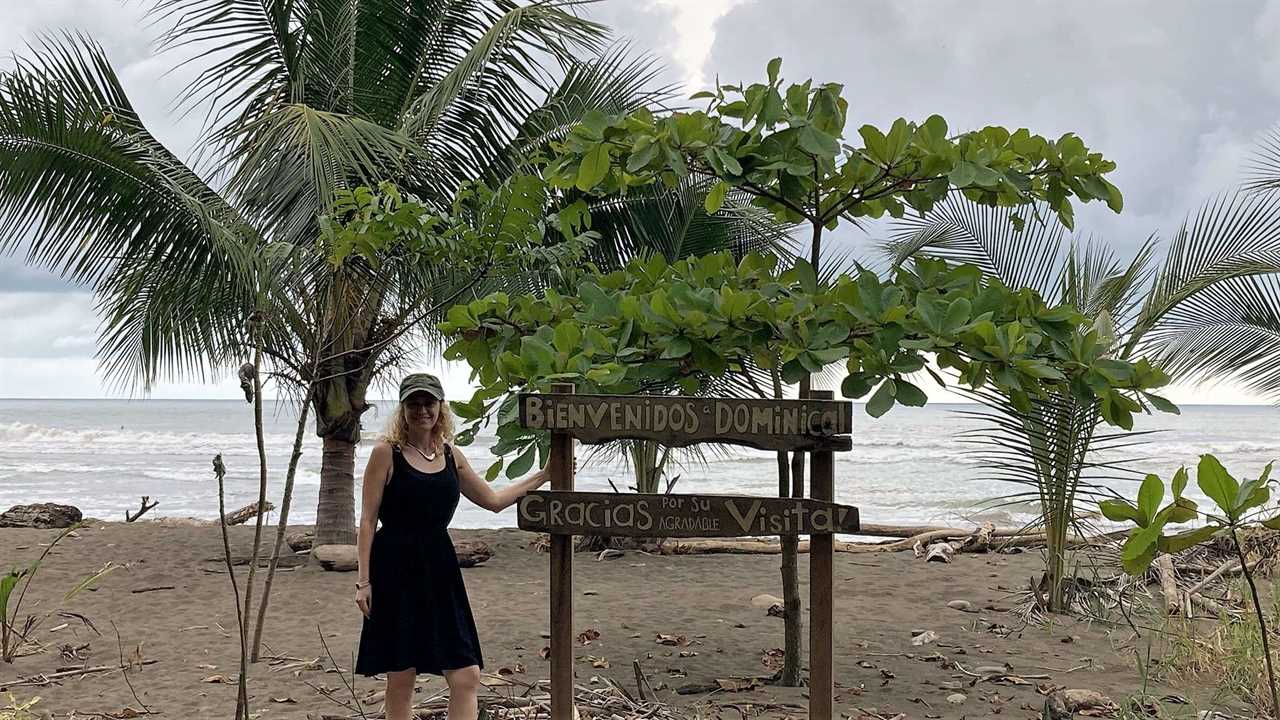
(362, 585)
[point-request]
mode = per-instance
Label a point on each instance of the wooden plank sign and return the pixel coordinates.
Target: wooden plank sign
(643, 515)
(679, 421)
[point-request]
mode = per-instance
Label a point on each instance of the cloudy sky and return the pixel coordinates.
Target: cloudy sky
(1176, 93)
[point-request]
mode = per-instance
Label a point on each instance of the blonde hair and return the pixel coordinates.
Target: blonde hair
(397, 432)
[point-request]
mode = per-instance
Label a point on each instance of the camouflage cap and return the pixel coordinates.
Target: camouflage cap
(424, 382)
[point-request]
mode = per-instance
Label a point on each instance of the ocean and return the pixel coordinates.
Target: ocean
(908, 467)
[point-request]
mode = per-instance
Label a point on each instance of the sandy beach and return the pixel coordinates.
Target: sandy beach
(172, 606)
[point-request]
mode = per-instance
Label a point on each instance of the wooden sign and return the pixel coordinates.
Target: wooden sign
(679, 421)
(642, 515)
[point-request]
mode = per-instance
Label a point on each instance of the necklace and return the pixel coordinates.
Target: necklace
(425, 456)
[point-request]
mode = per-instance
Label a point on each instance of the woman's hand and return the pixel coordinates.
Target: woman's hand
(364, 599)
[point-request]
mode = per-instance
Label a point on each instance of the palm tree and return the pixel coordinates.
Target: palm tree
(1207, 310)
(305, 99)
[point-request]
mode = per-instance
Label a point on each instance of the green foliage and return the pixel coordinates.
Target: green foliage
(483, 226)
(1237, 504)
(787, 148)
(659, 324)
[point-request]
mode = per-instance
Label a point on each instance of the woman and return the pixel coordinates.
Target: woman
(416, 614)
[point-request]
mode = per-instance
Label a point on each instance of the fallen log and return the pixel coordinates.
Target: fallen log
(761, 546)
(248, 512)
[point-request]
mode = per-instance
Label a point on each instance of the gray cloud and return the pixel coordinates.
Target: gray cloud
(1175, 93)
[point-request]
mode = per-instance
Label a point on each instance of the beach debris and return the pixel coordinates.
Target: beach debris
(937, 552)
(1064, 704)
(152, 589)
(609, 554)
(587, 636)
(300, 540)
(957, 698)
(672, 640)
(598, 662)
(248, 512)
(214, 679)
(923, 637)
(961, 605)
(738, 684)
(130, 517)
(336, 558)
(42, 516)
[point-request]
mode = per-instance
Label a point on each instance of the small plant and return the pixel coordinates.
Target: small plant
(1240, 505)
(18, 580)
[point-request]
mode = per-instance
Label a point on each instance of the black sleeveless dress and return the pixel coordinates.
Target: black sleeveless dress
(419, 616)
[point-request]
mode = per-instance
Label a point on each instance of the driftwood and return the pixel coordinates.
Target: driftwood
(973, 540)
(344, 558)
(128, 517)
(248, 512)
(42, 516)
(1168, 584)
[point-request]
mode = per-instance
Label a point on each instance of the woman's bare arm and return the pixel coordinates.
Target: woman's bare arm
(482, 493)
(375, 479)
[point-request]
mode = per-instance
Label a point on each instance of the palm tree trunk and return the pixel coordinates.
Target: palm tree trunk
(336, 510)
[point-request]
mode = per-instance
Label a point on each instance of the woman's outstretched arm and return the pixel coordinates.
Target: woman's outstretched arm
(482, 493)
(375, 479)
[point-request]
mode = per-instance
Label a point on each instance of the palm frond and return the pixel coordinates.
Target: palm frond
(618, 80)
(256, 43)
(484, 81)
(292, 160)
(1230, 330)
(1262, 169)
(97, 198)
(1232, 236)
(961, 232)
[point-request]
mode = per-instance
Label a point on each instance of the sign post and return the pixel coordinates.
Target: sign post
(816, 424)
(561, 468)
(821, 594)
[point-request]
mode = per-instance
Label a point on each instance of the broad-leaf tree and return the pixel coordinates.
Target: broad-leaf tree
(787, 149)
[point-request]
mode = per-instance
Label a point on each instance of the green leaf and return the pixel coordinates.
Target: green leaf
(1139, 550)
(1191, 538)
(594, 167)
(492, 473)
(910, 395)
(855, 386)
(521, 465)
(568, 337)
(816, 142)
(883, 399)
(1183, 510)
(1118, 510)
(774, 67)
(1272, 524)
(1162, 404)
(1150, 495)
(963, 174)
(715, 198)
(1215, 482)
(1179, 481)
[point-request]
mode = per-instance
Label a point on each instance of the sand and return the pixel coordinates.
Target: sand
(880, 600)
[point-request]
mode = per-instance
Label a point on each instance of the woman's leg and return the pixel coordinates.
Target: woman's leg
(400, 694)
(464, 686)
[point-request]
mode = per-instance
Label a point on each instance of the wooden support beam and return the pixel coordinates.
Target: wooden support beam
(561, 467)
(821, 595)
